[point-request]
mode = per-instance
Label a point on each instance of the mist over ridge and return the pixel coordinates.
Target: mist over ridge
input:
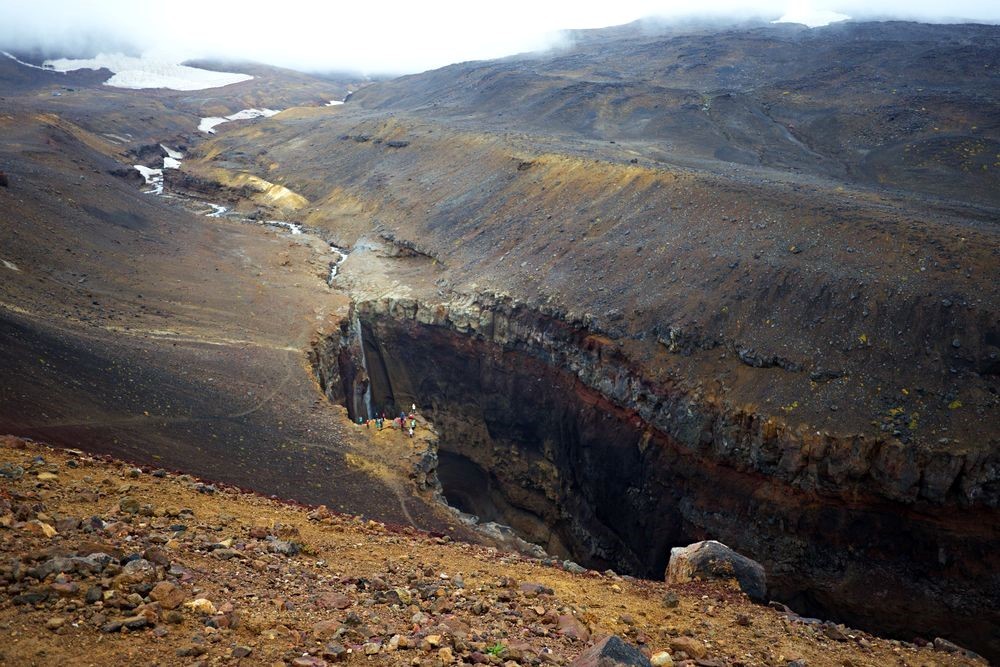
(393, 37)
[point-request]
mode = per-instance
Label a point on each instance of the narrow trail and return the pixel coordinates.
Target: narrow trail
(401, 496)
(267, 399)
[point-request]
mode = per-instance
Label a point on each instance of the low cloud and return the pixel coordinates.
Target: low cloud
(379, 37)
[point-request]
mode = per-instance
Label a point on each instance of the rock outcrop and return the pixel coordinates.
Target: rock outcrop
(583, 454)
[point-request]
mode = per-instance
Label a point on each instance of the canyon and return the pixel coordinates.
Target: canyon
(654, 289)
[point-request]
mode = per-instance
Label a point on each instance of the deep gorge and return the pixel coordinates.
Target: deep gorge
(544, 426)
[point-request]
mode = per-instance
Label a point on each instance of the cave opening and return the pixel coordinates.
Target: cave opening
(467, 487)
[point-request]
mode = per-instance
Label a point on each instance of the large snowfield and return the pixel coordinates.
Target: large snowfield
(137, 73)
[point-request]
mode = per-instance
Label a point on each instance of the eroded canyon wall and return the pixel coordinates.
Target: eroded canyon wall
(565, 440)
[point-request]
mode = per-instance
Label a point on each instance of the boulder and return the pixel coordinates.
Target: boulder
(611, 651)
(713, 560)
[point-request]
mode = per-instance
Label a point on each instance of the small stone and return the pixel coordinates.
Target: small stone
(661, 659)
(129, 505)
(570, 626)
(135, 622)
(201, 606)
(65, 588)
(157, 555)
(11, 471)
(37, 527)
(55, 623)
(670, 600)
(372, 648)
(334, 651)
(47, 477)
(111, 626)
(532, 590)
(169, 595)
(333, 601)
(67, 524)
(308, 661)
(325, 629)
(445, 655)
(136, 572)
(689, 645)
(284, 548)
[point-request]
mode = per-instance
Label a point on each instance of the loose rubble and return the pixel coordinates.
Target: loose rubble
(103, 561)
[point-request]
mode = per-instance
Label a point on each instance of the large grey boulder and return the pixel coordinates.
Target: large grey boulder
(713, 560)
(612, 651)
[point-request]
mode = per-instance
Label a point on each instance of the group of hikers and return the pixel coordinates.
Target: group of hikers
(404, 421)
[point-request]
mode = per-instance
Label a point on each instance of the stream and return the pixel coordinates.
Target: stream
(153, 177)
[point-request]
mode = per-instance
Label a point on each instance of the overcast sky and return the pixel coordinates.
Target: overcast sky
(385, 36)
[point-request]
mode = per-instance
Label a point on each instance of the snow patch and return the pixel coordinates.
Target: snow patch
(10, 265)
(177, 155)
(153, 177)
(171, 163)
(207, 125)
(804, 13)
(248, 114)
(139, 73)
(217, 211)
(333, 103)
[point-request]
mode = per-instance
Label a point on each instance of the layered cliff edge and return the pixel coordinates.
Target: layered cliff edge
(581, 451)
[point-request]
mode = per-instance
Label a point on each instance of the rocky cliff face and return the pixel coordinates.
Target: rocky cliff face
(569, 442)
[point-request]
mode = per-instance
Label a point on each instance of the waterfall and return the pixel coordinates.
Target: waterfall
(356, 322)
